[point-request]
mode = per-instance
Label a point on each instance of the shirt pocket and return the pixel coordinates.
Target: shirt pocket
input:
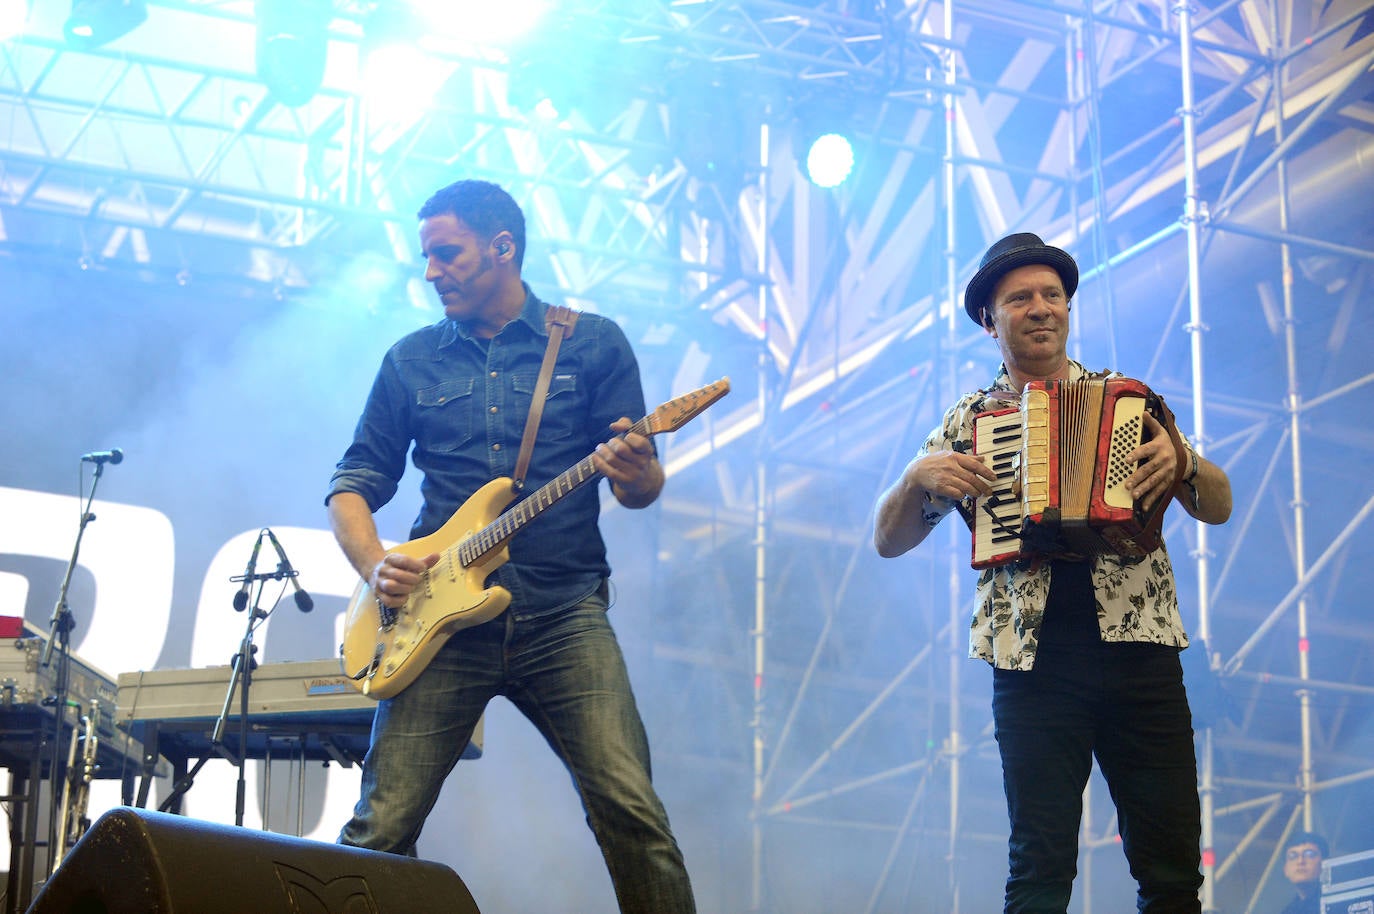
(560, 418)
(444, 413)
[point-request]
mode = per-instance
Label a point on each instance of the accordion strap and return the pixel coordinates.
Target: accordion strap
(1166, 419)
(1153, 534)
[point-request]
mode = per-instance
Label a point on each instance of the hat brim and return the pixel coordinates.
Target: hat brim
(980, 288)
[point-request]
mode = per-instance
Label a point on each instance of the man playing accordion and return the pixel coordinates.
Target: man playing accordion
(1084, 647)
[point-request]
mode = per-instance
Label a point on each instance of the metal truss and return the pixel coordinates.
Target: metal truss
(160, 137)
(670, 198)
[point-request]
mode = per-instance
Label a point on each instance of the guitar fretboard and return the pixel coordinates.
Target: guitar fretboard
(498, 532)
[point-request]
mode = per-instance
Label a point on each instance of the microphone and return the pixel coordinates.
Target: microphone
(304, 602)
(241, 598)
(114, 455)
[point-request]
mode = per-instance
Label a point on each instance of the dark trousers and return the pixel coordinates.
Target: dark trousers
(1125, 705)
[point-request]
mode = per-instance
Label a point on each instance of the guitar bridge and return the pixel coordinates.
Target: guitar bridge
(370, 669)
(368, 672)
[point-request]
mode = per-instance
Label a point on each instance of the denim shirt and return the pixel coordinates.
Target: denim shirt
(463, 403)
(1136, 597)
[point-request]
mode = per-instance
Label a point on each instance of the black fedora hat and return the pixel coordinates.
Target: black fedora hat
(1019, 250)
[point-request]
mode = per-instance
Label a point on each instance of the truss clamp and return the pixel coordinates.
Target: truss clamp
(1198, 212)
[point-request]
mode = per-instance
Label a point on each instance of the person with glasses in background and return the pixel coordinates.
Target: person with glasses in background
(1302, 864)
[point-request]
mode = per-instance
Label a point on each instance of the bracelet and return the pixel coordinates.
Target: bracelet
(1187, 481)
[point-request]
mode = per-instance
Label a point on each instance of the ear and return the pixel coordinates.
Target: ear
(503, 245)
(987, 323)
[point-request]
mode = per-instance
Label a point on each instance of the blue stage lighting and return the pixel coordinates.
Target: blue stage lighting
(829, 160)
(292, 45)
(480, 23)
(14, 16)
(96, 22)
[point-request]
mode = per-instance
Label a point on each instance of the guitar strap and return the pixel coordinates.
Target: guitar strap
(559, 320)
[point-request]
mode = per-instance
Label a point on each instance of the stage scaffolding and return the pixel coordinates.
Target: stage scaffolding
(838, 316)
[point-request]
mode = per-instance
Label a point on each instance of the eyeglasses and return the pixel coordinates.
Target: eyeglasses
(1305, 854)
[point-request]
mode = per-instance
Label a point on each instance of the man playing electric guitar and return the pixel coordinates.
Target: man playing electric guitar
(460, 391)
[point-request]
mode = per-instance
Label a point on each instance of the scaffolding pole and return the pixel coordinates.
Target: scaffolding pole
(1194, 217)
(954, 742)
(1294, 407)
(761, 538)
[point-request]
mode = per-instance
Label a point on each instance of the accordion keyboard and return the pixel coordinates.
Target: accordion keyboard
(997, 519)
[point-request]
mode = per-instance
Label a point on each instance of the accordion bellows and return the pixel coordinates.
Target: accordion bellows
(1060, 461)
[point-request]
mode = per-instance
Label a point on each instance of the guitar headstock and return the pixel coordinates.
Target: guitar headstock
(678, 411)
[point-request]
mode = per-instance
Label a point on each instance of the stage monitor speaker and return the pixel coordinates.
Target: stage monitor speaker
(133, 861)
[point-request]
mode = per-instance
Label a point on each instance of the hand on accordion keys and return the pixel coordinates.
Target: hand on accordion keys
(954, 475)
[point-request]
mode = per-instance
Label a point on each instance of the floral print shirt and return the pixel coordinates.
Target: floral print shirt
(1136, 599)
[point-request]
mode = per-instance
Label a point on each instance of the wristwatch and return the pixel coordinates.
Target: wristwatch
(1192, 469)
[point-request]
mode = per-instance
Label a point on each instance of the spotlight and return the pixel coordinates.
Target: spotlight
(824, 126)
(96, 22)
(829, 160)
(710, 127)
(13, 17)
(399, 79)
(292, 43)
(533, 87)
(489, 24)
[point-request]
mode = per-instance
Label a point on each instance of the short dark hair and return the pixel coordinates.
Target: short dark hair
(1309, 837)
(484, 207)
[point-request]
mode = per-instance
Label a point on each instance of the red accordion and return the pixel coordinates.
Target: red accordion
(1060, 460)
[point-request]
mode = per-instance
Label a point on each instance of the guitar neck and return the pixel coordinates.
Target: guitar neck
(497, 533)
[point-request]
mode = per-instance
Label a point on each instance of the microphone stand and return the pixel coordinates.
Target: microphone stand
(241, 679)
(241, 671)
(59, 637)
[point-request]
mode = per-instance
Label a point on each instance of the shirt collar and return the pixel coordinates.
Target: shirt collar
(1003, 379)
(531, 314)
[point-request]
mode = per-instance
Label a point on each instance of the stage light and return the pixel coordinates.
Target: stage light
(93, 23)
(712, 130)
(13, 16)
(292, 44)
(481, 23)
(829, 160)
(399, 78)
(535, 88)
(824, 126)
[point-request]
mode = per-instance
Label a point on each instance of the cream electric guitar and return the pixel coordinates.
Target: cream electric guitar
(385, 649)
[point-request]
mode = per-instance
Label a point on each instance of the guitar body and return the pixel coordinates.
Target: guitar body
(382, 660)
(382, 655)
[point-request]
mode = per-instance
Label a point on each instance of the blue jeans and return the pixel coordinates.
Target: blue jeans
(1125, 704)
(565, 673)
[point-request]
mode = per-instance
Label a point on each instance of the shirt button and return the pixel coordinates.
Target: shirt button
(496, 447)
(493, 374)
(492, 410)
